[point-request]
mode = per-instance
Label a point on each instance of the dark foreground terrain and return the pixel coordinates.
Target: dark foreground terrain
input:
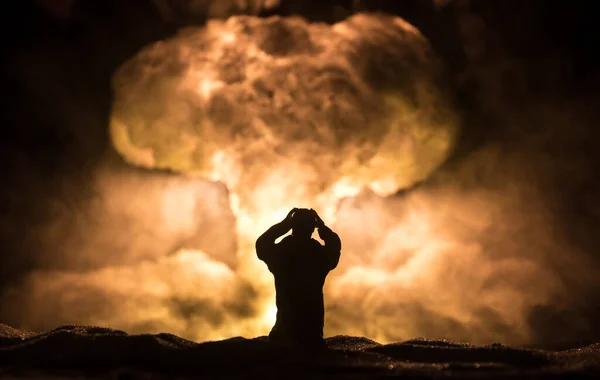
(101, 353)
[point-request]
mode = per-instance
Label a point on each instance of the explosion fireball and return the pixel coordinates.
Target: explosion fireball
(230, 125)
(286, 114)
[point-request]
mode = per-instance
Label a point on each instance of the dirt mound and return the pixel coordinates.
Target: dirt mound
(71, 351)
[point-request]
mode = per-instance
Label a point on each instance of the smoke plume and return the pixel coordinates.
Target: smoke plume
(231, 124)
(359, 96)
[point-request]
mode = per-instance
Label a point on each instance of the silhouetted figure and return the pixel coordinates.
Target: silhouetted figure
(299, 264)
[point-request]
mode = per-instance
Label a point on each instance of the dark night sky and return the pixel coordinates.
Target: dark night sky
(56, 74)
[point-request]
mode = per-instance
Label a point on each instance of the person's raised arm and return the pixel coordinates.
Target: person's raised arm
(265, 244)
(333, 244)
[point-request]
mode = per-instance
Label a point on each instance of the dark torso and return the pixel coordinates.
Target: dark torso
(299, 267)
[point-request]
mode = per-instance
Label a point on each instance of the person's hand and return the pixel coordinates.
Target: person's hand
(318, 221)
(290, 214)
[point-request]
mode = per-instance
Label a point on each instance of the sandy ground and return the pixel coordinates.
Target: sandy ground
(91, 352)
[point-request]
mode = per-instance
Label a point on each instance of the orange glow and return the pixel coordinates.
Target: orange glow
(275, 124)
(291, 114)
(241, 120)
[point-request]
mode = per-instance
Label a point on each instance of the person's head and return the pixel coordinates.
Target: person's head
(303, 223)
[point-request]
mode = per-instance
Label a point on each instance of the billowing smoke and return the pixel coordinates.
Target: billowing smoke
(187, 293)
(249, 117)
(249, 98)
(460, 258)
(159, 212)
(286, 113)
(283, 111)
(149, 251)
